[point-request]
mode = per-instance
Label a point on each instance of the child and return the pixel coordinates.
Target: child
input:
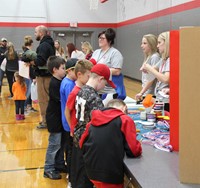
(66, 87)
(56, 66)
(108, 151)
(82, 72)
(19, 95)
(86, 101)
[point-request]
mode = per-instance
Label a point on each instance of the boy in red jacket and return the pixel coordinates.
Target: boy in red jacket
(108, 136)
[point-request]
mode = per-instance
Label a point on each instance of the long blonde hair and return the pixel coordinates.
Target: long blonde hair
(152, 42)
(60, 48)
(88, 47)
(11, 51)
(166, 37)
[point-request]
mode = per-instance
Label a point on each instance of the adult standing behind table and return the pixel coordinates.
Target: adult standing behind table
(44, 51)
(163, 74)
(3, 48)
(110, 56)
(151, 57)
(11, 65)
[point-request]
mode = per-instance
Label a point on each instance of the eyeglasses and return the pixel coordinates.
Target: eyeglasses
(102, 38)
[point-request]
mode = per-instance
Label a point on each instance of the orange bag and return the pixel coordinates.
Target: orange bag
(148, 101)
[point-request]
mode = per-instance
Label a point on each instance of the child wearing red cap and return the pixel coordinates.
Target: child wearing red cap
(86, 101)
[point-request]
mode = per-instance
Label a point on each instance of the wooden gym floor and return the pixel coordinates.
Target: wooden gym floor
(23, 147)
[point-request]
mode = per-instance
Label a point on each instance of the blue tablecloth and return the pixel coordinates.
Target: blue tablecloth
(139, 126)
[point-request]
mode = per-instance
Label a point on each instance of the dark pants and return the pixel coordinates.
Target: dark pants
(166, 107)
(1, 78)
(10, 78)
(68, 142)
(19, 105)
(79, 178)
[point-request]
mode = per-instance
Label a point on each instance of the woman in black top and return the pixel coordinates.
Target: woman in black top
(11, 65)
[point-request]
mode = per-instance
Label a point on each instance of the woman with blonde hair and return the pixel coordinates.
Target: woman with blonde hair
(163, 74)
(87, 49)
(151, 57)
(11, 65)
(59, 49)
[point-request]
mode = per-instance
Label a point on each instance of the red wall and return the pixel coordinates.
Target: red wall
(174, 89)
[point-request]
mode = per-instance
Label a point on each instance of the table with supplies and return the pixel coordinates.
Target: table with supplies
(158, 165)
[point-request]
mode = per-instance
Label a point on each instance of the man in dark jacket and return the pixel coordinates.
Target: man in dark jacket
(3, 48)
(44, 51)
(108, 136)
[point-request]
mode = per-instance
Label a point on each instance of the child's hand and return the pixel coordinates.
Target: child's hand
(71, 134)
(32, 62)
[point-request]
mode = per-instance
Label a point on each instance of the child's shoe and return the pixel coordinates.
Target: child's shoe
(18, 117)
(22, 116)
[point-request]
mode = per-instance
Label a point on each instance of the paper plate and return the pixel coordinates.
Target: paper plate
(147, 123)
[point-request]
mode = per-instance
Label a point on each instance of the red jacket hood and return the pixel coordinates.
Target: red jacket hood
(100, 117)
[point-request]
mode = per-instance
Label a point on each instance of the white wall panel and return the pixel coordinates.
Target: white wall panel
(57, 11)
(23, 11)
(129, 9)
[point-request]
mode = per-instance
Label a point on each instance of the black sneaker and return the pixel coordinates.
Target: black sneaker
(42, 126)
(33, 110)
(62, 169)
(54, 175)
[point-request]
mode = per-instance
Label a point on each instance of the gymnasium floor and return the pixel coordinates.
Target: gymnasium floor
(23, 147)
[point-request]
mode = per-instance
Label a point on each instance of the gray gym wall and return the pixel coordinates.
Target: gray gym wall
(128, 39)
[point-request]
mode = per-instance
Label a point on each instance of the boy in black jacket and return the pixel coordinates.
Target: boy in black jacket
(56, 66)
(108, 136)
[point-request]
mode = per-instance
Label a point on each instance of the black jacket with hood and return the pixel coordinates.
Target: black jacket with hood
(44, 51)
(108, 136)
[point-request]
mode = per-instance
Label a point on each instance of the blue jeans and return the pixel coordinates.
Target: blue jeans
(28, 92)
(53, 157)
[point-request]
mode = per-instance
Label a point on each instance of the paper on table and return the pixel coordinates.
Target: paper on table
(24, 69)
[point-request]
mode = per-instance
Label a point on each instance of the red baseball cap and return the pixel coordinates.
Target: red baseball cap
(103, 70)
(93, 61)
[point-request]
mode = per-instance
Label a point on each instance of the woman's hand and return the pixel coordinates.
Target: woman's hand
(146, 67)
(138, 96)
(166, 91)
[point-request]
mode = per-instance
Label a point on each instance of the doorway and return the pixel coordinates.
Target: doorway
(75, 37)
